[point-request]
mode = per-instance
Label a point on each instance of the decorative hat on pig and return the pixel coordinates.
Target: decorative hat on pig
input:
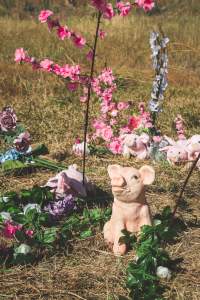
(130, 210)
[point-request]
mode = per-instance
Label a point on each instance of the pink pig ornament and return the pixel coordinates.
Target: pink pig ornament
(130, 210)
(136, 145)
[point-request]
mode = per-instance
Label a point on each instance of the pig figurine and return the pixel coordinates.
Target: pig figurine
(136, 145)
(130, 210)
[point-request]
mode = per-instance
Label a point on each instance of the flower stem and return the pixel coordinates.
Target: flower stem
(89, 93)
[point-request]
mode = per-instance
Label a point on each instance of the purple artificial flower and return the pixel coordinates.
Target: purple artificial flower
(8, 119)
(61, 207)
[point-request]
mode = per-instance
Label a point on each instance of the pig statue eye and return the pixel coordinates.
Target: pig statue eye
(135, 176)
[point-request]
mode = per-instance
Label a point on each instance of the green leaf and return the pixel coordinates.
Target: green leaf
(21, 236)
(166, 213)
(12, 165)
(40, 150)
(86, 233)
(25, 195)
(49, 235)
(19, 218)
(12, 196)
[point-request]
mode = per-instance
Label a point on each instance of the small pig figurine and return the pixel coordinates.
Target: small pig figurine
(136, 145)
(130, 210)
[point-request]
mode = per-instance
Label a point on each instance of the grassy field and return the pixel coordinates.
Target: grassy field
(55, 116)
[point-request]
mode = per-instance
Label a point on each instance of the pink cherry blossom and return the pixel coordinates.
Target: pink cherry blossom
(125, 129)
(115, 146)
(99, 4)
(65, 71)
(78, 41)
(83, 99)
(72, 86)
(90, 55)
(20, 55)
(147, 5)
(124, 8)
(102, 34)
(56, 69)
(46, 64)
(108, 12)
(75, 72)
(106, 96)
(107, 133)
(44, 15)
(98, 124)
(122, 105)
(106, 76)
(63, 32)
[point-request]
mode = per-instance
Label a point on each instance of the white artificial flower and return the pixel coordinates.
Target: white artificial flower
(23, 249)
(163, 272)
(31, 206)
(5, 216)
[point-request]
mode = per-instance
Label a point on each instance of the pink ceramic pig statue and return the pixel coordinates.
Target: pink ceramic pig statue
(130, 210)
(136, 145)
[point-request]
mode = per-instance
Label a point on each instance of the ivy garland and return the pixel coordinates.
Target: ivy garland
(152, 261)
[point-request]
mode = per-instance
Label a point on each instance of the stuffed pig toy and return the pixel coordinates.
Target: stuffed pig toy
(130, 210)
(69, 181)
(78, 149)
(176, 151)
(136, 145)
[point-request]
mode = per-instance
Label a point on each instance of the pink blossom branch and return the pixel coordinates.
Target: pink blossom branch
(89, 93)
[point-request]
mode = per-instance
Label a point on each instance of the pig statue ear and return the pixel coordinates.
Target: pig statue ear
(147, 174)
(114, 170)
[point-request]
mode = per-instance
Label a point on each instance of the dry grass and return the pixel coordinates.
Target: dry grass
(53, 116)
